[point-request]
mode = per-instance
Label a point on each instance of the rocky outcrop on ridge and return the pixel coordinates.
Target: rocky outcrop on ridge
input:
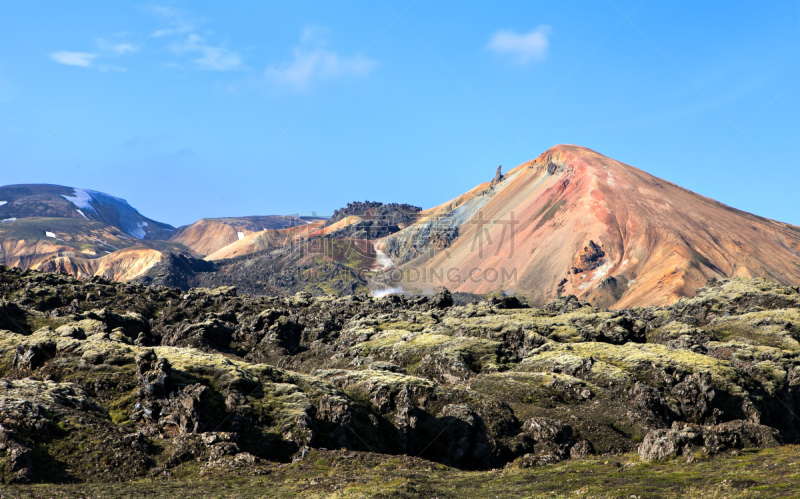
(375, 219)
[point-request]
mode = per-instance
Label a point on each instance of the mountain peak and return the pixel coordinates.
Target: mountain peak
(607, 232)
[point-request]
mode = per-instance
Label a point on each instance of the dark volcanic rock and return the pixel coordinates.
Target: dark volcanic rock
(684, 439)
(388, 214)
(154, 379)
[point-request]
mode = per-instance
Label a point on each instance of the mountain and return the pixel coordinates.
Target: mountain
(265, 240)
(56, 201)
(577, 222)
(212, 234)
(80, 232)
(570, 222)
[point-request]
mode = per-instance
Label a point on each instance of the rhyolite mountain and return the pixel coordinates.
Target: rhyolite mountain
(87, 233)
(588, 225)
(208, 235)
(570, 222)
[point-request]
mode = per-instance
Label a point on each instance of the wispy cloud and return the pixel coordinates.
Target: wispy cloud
(180, 20)
(522, 47)
(312, 62)
(116, 48)
(106, 50)
(83, 59)
(208, 56)
(203, 53)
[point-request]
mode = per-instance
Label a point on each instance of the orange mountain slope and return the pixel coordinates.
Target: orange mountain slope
(80, 247)
(575, 222)
(208, 235)
(122, 265)
(265, 240)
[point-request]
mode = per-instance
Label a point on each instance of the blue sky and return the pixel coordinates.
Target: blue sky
(183, 117)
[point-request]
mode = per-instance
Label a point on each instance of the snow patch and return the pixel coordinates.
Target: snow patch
(12, 219)
(82, 214)
(3, 202)
(81, 199)
(50, 234)
(240, 235)
(130, 220)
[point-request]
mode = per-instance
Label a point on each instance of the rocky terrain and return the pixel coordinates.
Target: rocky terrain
(81, 232)
(321, 267)
(107, 382)
(374, 219)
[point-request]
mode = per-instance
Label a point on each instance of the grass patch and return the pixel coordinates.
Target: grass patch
(346, 474)
(550, 213)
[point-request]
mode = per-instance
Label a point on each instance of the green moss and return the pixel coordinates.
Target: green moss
(541, 389)
(401, 325)
(410, 348)
(550, 213)
(621, 364)
(326, 474)
(773, 328)
(120, 409)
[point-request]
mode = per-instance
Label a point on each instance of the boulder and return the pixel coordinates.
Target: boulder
(152, 373)
(34, 353)
(462, 440)
(684, 439)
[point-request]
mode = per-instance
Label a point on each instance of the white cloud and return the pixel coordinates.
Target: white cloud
(210, 56)
(182, 28)
(179, 20)
(117, 48)
(83, 59)
(522, 47)
(313, 35)
(86, 59)
(219, 58)
(312, 63)
(165, 32)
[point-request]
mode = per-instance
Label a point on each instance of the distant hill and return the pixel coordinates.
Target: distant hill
(88, 233)
(57, 201)
(212, 234)
(79, 231)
